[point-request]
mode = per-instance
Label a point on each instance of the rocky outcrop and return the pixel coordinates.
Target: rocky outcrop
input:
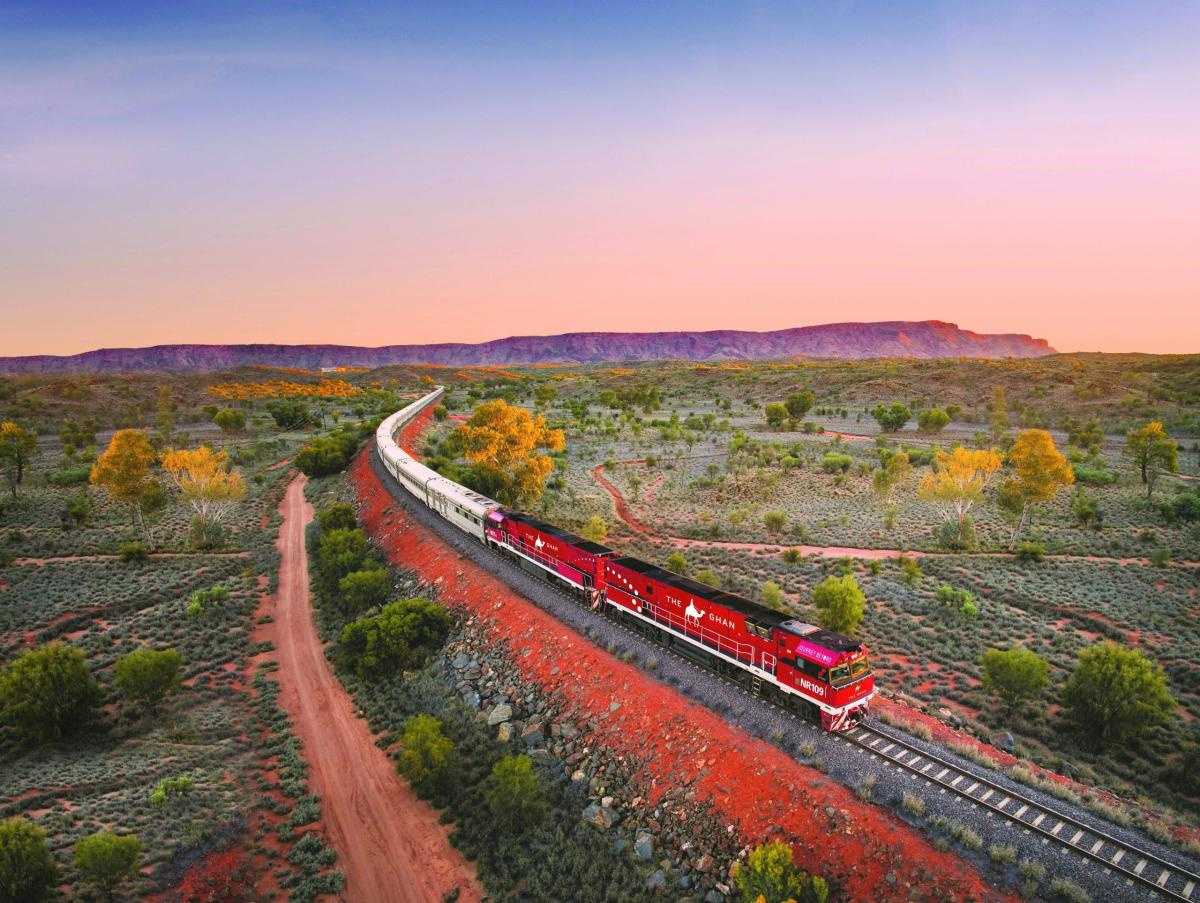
(692, 850)
(921, 339)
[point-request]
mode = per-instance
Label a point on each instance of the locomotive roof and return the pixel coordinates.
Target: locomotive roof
(760, 613)
(593, 548)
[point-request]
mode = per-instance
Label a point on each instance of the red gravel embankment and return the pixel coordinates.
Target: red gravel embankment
(868, 852)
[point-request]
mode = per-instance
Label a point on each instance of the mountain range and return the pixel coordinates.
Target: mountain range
(920, 339)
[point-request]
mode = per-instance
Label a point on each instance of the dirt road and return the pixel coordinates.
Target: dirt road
(389, 843)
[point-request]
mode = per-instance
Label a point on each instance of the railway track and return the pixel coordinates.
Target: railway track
(1137, 866)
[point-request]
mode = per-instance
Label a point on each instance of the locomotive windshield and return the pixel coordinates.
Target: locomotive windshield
(846, 674)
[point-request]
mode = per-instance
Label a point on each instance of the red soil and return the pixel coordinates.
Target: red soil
(749, 782)
(389, 843)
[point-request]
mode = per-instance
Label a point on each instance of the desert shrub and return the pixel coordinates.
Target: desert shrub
(230, 421)
(866, 788)
(69, 476)
(964, 834)
(428, 760)
(770, 873)
(595, 529)
(337, 516)
(707, 577)
(835, 462)
(676, 563)
(106, 859)
(913, 805)
(205, 600)
(910, 570)
(27, 870)
(1116, 693)
(133, 551)
(1068, 891)
(289, 414)
(840, 603)
(515, 794)
(1184, 508)
(327, 454)
(1031, 551)
(772, 595)
(48, 693)
(948, 595)
(774, 521)
(1016, 674)
(148, 676)
(400, 638)
(363, 590)
(169, 790)
(933, 420)
(1093, 476)
(1160, 557)
(891, 418)
(1002, 854)
(340, 552)
(791, 556)
(958, 536)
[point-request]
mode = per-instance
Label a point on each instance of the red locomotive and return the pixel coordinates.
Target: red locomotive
(824, 672)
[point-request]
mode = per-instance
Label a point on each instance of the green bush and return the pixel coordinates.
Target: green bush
(230, 421)
(891, 418)
(428, 760)
(769, 872)
(338, 516)
(363, 590)
(1016, 674)
(840, 603)
(1031, 551)
(133, 551)
(515, 794)
(69, 476)
(1116, 693)
(106, 859)
(400, 638)
(835, 462)
(1093, 476)
(48, 693)
(27, 870)
(676, 563)
(148, 676)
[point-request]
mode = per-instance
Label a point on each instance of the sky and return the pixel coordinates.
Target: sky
(397, 172)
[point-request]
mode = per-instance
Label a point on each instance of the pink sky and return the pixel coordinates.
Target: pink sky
(156, 198)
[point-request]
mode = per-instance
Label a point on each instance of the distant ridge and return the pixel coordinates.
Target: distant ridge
(921, 339)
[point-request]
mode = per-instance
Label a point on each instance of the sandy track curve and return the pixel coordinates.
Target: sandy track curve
(389, 843)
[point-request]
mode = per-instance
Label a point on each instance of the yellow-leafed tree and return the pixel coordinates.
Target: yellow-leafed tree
(206, 482)
(504, 445)
(126, 472)
(1040, 471)
(958, 483)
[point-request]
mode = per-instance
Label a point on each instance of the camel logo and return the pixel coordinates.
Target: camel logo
(538, 544)
(692, 614)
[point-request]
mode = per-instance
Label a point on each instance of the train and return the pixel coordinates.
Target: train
(823, 674)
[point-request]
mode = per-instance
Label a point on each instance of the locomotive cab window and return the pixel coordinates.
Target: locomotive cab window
(758, 630)
(846, 674)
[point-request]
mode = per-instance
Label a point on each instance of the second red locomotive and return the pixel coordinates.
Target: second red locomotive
(825, 672)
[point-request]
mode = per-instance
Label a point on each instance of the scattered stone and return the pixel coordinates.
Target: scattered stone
(644, 845)
(499, 713)
(504, 734)
(600, 816)
(657, 882)
(1005, 741)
